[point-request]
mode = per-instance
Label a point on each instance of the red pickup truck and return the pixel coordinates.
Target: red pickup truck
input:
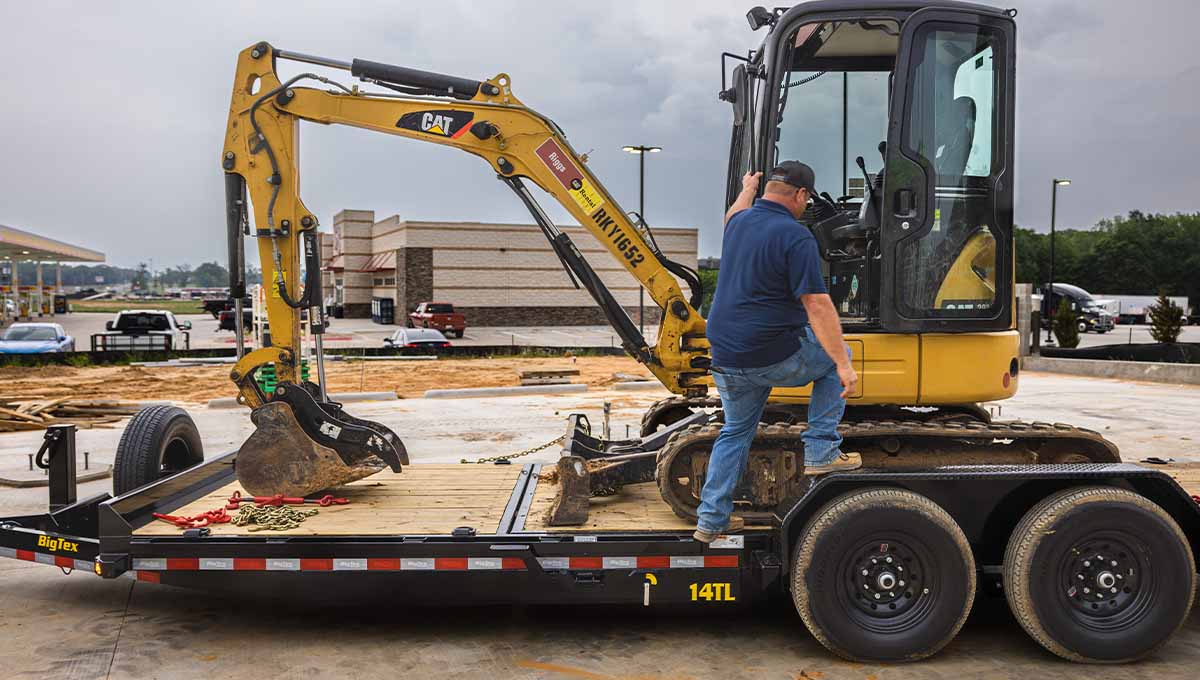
(440, 316)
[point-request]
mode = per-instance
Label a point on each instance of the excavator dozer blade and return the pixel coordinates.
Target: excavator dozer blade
(301, 446)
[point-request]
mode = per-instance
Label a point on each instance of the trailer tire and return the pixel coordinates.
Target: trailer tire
(158, 441)
(1054, 543)
(932, 584)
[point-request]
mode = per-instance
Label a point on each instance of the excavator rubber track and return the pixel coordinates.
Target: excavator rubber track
(674, 408)
(775, 472)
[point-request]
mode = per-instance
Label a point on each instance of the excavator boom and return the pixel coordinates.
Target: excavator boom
(483, 118)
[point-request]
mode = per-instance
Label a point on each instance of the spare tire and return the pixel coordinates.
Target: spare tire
(159, 441)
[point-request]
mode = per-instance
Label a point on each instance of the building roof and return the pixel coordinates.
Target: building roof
(16, 244)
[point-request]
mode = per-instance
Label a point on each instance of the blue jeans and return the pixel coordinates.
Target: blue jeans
(744, 393)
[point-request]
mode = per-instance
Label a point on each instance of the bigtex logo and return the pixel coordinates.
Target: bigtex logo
(55, 544)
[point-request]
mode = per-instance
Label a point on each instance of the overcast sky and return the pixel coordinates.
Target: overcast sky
(113, 115)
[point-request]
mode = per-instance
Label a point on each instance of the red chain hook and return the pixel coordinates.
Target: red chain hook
(325, 501)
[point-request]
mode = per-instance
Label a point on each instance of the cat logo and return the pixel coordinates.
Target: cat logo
(54, 544)
(440, 122)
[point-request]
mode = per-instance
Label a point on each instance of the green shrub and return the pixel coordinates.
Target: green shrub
(1065, 329)
(1166, 319)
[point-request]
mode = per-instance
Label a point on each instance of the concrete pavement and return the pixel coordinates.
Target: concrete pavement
(79, 626)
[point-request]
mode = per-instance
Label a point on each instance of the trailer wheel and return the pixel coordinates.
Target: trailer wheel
(159, 441)
(883, 575)
(1099, 575)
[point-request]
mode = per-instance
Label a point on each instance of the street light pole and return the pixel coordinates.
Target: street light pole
(641, 150)
(1048, 294)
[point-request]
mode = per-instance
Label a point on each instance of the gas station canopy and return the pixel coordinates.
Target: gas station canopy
(22, 246)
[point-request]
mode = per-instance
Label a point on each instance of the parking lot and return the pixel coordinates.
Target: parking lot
(364, 333)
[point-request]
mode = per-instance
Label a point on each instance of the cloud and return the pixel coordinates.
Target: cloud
(114, 115)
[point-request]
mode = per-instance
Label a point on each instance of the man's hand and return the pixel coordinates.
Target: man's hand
(745, 199)
(750, 181)
(849, 379)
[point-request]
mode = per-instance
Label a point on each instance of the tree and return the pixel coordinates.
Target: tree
(210, 275)
(141, 278)
(1064, 325)
(1166, 319)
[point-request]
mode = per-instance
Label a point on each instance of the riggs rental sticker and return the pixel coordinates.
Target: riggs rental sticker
(569, 176)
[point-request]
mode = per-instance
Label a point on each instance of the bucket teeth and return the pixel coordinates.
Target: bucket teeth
(280, 458)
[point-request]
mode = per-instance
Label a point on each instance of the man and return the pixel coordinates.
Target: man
(772, 324)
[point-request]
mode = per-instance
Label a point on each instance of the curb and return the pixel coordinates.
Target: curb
(637, 385)
(231, 402)
(80, 477)
(1149, 371)
(505, 391)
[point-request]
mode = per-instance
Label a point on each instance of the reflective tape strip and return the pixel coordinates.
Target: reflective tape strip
(654, 562)
(27, 555)
(720, 561)
(581, 563)
(216, 564)
(728, 542)
(85, 565)
(147, 576)
(10, 553)
(43, 558)
(283, 565)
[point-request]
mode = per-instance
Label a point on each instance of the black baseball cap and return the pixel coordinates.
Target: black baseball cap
(796, 174)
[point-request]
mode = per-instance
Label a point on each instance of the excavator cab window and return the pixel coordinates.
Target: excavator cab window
(831, 110)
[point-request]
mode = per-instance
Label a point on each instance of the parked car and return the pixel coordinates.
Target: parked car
(143, 329)
(227, 319)
(36, 338)
(426, 338)
(438, 316)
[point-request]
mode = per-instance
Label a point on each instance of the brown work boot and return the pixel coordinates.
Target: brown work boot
(843, 462)
(735, 525)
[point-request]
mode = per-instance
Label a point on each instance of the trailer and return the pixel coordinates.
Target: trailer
(1097, 560)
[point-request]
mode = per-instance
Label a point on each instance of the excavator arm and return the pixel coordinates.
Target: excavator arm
(483, 118)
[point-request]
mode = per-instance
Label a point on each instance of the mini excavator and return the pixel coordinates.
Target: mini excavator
(918, 255)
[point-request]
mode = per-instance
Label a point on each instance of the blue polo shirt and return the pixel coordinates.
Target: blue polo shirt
(768, 260)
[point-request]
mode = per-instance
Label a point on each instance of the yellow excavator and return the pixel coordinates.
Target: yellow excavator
(918, 255)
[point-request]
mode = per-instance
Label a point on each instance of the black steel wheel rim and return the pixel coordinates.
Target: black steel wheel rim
(1105, 581)
(890, 583)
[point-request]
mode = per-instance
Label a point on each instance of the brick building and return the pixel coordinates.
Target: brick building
(497, 274)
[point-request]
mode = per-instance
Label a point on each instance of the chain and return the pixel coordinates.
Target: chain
(272, 518)
(510, 456)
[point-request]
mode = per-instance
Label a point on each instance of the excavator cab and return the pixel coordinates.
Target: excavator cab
(906, 116)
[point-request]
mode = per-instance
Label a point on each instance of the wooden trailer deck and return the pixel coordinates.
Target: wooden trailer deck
(435, 499)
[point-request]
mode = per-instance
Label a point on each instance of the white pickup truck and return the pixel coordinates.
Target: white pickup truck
(143, 329)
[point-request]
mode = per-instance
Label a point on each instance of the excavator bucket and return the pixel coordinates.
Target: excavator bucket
(301, 446)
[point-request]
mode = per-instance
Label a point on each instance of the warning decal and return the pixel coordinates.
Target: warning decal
(569, 176)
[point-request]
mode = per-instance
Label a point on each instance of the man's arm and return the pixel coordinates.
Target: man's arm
(746, 198)
(826, 325)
